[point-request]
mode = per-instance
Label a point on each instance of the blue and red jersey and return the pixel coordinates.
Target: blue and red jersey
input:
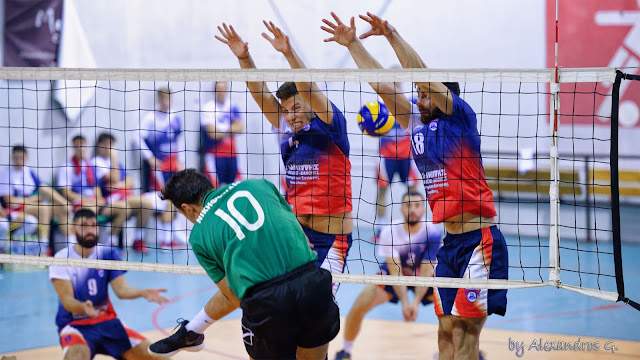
(88, 284)
(317, 166)
(396, 144)
(447, 154)
(159, 133)
(221, 116)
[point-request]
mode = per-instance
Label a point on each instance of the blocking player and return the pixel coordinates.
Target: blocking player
(77, 182)
(409, 249)
(249, 242)
(220, 122)
(21, 191)
(314, 148)
(446, 149)
(158, 142)
(86, 320)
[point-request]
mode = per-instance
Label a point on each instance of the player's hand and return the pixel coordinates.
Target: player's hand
(153, 295)
(231, 38)
(342, 34)
(280, 41)
(89, 310)
(410, 312)
(378, 26)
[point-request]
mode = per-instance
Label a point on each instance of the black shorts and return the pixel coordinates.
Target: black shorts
(293, 310)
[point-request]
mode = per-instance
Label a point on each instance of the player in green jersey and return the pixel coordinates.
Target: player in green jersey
(251, 245)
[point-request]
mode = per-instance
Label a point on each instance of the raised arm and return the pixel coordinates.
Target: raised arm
(309, 91)
(259, 90)
(346, 36)
(409, 58)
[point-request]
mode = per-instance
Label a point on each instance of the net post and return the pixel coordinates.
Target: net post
(615, 186)
(554, 185)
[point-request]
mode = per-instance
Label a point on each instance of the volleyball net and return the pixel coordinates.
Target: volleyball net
(549, 150)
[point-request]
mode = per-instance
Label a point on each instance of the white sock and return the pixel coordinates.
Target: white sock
(348, 345)
(200, 323)
(140, 234)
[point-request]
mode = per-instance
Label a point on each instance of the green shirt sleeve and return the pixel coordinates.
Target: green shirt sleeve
(215, 271)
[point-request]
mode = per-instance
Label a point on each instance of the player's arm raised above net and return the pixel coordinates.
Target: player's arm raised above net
(259, 90)
(346, 36)
(409, 58)
(309, 91)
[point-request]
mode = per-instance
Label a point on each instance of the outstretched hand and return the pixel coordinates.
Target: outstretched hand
(342, 34)
(378, 26)
(153, 295)
(231, 38)
(280, 41)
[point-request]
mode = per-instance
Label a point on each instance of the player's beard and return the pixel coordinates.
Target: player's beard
(87, 242)
(412, 222)
(427, 117)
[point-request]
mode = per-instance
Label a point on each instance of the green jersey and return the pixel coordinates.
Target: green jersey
(247, 232)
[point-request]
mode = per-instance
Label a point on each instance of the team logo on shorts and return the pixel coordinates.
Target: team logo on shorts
(247, 335)
(433, 126)
(472, 295)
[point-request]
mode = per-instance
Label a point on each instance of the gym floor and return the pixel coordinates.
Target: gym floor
(29, 304)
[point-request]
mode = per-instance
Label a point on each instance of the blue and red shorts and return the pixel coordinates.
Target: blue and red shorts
(478, 254)
(332, 250)
(108, 337)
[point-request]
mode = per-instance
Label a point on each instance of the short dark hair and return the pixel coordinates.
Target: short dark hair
(453, 86)
(84, 213)
(187, 186)
(287, 90)
(78, 137)
(411, 193)
(19, 148)
(163, 91)
(105, 136)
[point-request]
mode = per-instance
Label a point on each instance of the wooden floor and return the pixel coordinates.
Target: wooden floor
(382, 339)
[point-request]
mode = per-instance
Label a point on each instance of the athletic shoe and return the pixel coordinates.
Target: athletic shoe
(140, 247)
(171, 245)
(342, 355)
(182, 339)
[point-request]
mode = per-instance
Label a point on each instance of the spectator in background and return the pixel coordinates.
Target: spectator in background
(22, 191)
(117, 186)
(220, 121)
(158, 144)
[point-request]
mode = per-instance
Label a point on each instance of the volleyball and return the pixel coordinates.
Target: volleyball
(374, 119)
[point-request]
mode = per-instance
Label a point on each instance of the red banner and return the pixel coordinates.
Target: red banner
(32, 32)
(596, 33)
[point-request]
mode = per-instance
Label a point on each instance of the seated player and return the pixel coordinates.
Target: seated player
(220, 121)
(409, 249)
(314, 148)
(445, 143)
(86, 320)
(22, 192)
(77, 182)
(288, 309)
(158, 144)
(117, 188)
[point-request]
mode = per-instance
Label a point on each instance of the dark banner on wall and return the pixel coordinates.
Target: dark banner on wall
(32, 32)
